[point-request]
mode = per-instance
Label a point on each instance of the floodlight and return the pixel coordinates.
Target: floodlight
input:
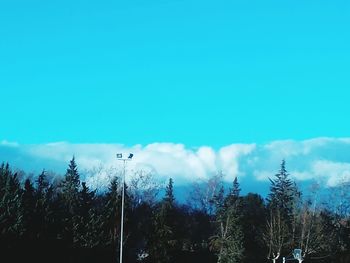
(125, 160)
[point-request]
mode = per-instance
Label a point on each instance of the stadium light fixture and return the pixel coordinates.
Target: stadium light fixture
(124, 160)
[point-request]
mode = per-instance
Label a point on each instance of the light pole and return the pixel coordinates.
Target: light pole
(120, 158)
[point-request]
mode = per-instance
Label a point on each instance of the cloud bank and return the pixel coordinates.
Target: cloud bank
(326, 160)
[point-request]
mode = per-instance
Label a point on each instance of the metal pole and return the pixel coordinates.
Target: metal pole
(122, 216)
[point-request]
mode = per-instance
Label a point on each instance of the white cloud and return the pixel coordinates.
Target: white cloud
(229, 159)
(333, 172)
(323, 159)
(7, 143)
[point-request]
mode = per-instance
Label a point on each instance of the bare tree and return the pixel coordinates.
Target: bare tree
(310, 234)
(276, 235)
(204, 191)
(144, 187)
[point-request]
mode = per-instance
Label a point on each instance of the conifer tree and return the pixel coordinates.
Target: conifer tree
(70, 187)
(169, 198)
(45, 217)
(42, 185)
(29, 202)
(236, 190)
(228, 239)
(70, 201)
(283, 192)
(163, 241)
(87, 228)
(281, 203)
(11, 205)
(253, 222)
(112, 212)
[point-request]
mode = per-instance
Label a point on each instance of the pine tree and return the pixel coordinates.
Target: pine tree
(282, 192)
(253, 223)
(45, 217)
(87, 228)
(281, 203)
(112, 213)
(228, 240)
(70, 201)
(42, 184)
(233, 198)
(236, 190)
(169, 193)
(87, 198)
(70, 188)
(29, 201)
(163, 241)
(11, 205)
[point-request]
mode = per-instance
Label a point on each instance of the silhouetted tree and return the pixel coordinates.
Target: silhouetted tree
(253, 223)
(11, 206)
(70, 196)
(228, 240)
(163, 241)
(281, 203)
(29, 203)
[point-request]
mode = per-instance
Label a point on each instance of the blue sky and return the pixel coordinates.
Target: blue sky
(192, 72)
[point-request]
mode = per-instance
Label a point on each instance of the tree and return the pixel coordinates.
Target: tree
(281, 204)
(235, 190)
(169, 198)
(29, 202)
(336, 217)
(87, 228)
(11, 205)
(70, 188)
(276, 235)
(143, 188)
(47, 220)
(228, 240)
(163, 242)
(111, 215)
(283, 192)
(70, 201)
(204, 192)
(253, 222)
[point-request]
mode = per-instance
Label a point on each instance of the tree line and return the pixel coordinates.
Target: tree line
(45, 220)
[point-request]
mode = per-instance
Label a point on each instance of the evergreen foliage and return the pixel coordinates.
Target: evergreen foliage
(163, 240)
(43, 221)
(283, 193)
(228, 241)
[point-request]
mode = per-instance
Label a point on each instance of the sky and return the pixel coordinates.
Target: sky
(182, 72)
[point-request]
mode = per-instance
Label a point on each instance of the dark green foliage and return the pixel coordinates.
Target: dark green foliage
(163, 242)
(253, 222)
(11, 205)
(169, 193)
(235, 190)
(282, 203)
(228, 239)
(112, 213)
(87, 223)
(283, 193)
(46, 222)
(29, 205)
(69, 200)
(42, 221)
(70, 189)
